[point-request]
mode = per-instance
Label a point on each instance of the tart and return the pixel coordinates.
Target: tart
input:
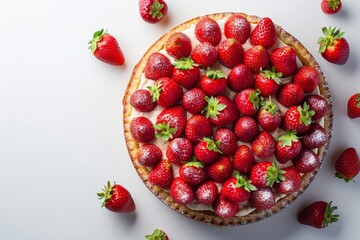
(143, 129)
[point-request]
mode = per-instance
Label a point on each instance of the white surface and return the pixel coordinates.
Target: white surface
(61, 134)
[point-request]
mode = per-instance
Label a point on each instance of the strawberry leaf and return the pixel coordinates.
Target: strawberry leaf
(242, 182)
(270, 107)
(213, 107)
(274, 175)
(305, 114)
(358, 100)
(330, 35)
(106, 193)
(155, 91)
(194, 163)
(329, 216)
(256, 99)
(334, 4)
(165, 132)
(271, 74)
(214, 74)
(288, 138)
(211, 144)
(184, 63)
(155, 10)
(96, 38)
(157, 235)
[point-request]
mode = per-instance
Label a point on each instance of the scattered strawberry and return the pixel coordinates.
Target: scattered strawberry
(198, 127)
(192, 172)
(353, 106)
(181, 192)
(315, 137)
(298, 118)
(318, 214)
(179, 150)
(265, 174)
(248, 101)
(142, 100)
(157, 66)
(256, 58)
(149, 154)
(157, 235)
(240, 78)
(306, 161)
(246, 128)
(269, 116)
(264, 33)
(220, 170)
(262, 199)
(220, 110)
(106, 48)
(288, 146)
(207, 193)
(347, 165)
(244, 159)
(204, 54)
(318, 104)
(284, 60)
(170, 123)
(152, 11)
(178, 45)
(213, 82)
(267, 81)
(237, 189)
(291, 183)
(116, 198)
(142, 129)
(207, 150)
(333, 46)
(331, 6)
(227, 139)
(307, 77)
(238, 27)
(230, 52)
(194, 100)
(162, 174)
(166, 92)
(186, 73)
(208, 30)
(225, 209)
(290, 95)
(263, 145)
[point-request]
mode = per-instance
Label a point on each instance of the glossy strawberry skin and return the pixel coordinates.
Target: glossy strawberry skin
(142, 129)
(285, 153)
(234, 193)
(213, 87)
(238, 27)
(226, 116)
(263, 145)
(258, 174)
(240, 78)
(204, 54)
(117, 199)
(179, 150)
(208, 30)
(307, 78)
(290, 95)
(157, 66)
(170, 92)
(266, 85)
(187, 78)
(244, 104)
(314, 214)
(178, 45)
(149, 154)
(162, 174)
(292, 120)
(264, 33)
(244, 159)
(159, 13)
(347, 165)
(318, 104)
(192, 174)
(194, 100)
(225, 208)
(284, 60)
(338, 53)
(230, 53)
(142, 101)
(207, 193)
(262, 199)
(228, 142)
(204, 154)
(268, 121)
(198, 127)
(181, 192)
(256, 58)
(176, 118)
(220, 170)
(314, 137)
(246, 128)
(353, 106)
(331, 6)
(292, 182)
(306, 161)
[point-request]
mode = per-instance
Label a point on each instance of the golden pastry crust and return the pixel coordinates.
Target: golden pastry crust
(208, 216)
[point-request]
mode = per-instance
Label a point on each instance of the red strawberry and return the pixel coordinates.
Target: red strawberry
(331, 6)
(213, 82)
(265, 174)
(333, 47)
(207, 150)
(186, 73)
(263, 145)
(307, 77)
(192, 172)
(204, 54)
(267, 81)
(116, 198)
(194, 100)
(220, 170)
(291, 183)
(318, 214)
(227, 139)
(269, 116)
(256, 57)
(248, 101)
(152, 11)
(179, 150)
(240, 78)
(230, 53)
(142, 129)
(264, 33)
(353, 106)
(238, 27)
(220, 110)
(157, 66)
(106, 48)
(149, 154)
(237, 189)
(306, 161)
(262, 199)
(290, 95)
(315, 137)
(284, 60)
(225, 208)
(208, 30)
(170, 123)
(166, 92)
(318, 104)
(181, 192)
(178, 45)
(298, 118)
(198, 127)
(162, 174)
(288, 146)
(157, 235)
(244, 159)
(246, 129)
(347, 165)
(207, 192)
(142, 100)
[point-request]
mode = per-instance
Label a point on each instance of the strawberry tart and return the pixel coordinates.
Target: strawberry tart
(227, 118)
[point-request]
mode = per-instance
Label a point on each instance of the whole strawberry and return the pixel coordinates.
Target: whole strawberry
(149, 154)
(238, 27)
(162, 174)
(166, 92)
(170, 123)
(318, 104)
(194, 101)
(186, 73)
(315, 137)
(192, 172)
(157, 235)
(353, 106)
(265, 174)
(225, 208)
(142, 129)
(263, 145)
(291, 182)
(264, 33)
(244, 159)
(228, 142)
(179, 150)
(331, 6)
(204, 54)
(198, 127)
(262, 199)
(181, 192)
(157, 66)
(298, 118)
(246, 128)
(178, 45)
(256, 58)
(248, 101)
(152, 11)
(142, 100)
(290, 94)
(116, 198)
(284, 60)
(208, 30)
(347, 165)
(307, 77)
(306, 161)
(288, 146)
(267, 81)
(207, 193)
(269, 116)
(230, 52)
(333, 46)
(106, 48)
(318, 214)
(240, 78)
(220, 170)
(207, 150)
(237, 189)
(220, 110)
(213, 82)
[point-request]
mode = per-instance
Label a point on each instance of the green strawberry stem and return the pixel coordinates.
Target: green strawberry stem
(155, 91)
(256, 99)
(334, 4)
(331, 34)
(155, 10)
(329, 216)
(288, 138)
(305, 114)
(211, 144)
(340, 176)
(184, 63)
(106, 193)
(194, 163)
(157, 235)
(213, 107)
(214, 74)
(271, 74)
(96, 38)
(242, 182)
(270, 107)
(165, 132)
(274, 175)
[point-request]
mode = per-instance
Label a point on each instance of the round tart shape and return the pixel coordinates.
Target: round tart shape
(208, 215)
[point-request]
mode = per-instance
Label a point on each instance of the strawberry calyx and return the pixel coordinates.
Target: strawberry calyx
(184, 63)
(305, 114)
(271, 74)
(155, 91)
(211, 144)
(270, 107)
(213, 107)
(155, 10)
(256, 99)
(242, 182)
(106, 193)
(331, 34)
(346, 179)
(194, 163)
(214, 74)
(157, 235)
(274, 175)
(334, 4)
(357, 99)
(96, 38)
(329, 216)
(165, 132)
(288, 138)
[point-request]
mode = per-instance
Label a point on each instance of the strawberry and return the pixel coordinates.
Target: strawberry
(142, 129)
(225, 208)
(181, 192)
(246, 129)
(290, 95)
(166, 92)
(213, 82)
(237, 189)
(331, 6)
(207, 193)
(178, 45)
(306, 161)
(256, 57)
(186, 73)
(269, 116)
(244, 159)
(106, 48)
(347, 165)
(248, 101)
(179, 150)
(315, 137)
(204, 54)
(263, 145)
(238, 27)
(157, 66)
(227, 139)
(149, 154)
(142, 100)
(318, 214)
(207, 150)
(117, 198)
(262, 199)
(194, 100)
(264, 33)
(192, 172)
(157, 235)
(318, 104)
(267, 81)
(298, 118)
(265, 174)
(333, 46)
(220, 110)
(170, 123)
(240, 78)
(152, 11)
(284, 60)
(288, 146)
(162, 174)
(208, 30)
(230, 52)
(307, 78)
(220, 170)
(198, 127)
(291, 183)
(353, 106)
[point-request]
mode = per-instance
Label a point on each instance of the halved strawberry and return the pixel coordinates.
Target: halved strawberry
(170, 123)
(208, 30)
(264, 33)
(186, 72)
(178, 45)
(220, 110)
(213, 82)
(157, 66)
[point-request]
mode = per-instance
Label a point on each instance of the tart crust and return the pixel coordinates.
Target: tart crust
(210, 217)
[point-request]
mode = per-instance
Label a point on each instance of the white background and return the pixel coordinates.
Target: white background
(61, 134)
